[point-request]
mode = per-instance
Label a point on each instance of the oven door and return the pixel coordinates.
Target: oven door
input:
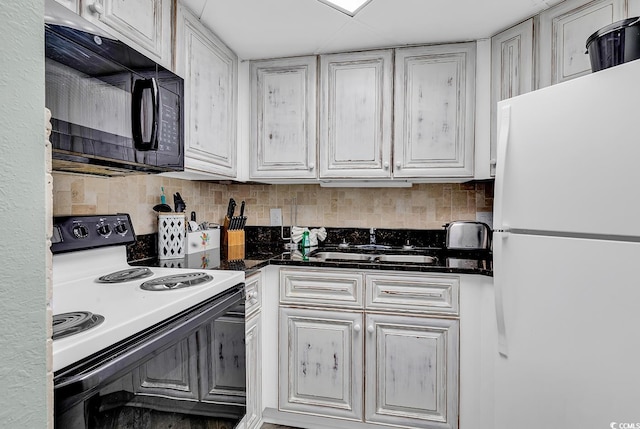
(188, 368)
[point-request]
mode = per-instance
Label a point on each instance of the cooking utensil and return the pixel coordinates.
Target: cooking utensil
(193, 216)
(243, 218)
(178, 203)
(231, 208)
(162, 208)
(467, 235)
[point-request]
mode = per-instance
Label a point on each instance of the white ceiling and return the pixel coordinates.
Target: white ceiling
(279, 28)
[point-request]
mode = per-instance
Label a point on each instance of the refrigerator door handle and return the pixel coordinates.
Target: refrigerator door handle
(498, 291)
(501, 230)
(503, 142)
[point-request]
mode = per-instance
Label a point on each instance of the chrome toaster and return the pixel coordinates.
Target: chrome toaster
(468, 235)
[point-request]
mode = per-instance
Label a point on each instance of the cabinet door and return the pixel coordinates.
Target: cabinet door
(321, 362)
(356, 114)
(222, 360)
(434, 111)
(283, 118)
(254, 373)
(172, 373)
(209, 69)
(511, 70)
(412, 371)
(146, 23)
(564, 30)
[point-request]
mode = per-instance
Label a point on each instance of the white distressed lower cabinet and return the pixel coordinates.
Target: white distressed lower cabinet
(253, 340)
(390, 359)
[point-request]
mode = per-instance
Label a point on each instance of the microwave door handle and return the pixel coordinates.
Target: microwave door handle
(139, 88)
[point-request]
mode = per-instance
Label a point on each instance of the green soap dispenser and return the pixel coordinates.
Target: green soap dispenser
(305, 240)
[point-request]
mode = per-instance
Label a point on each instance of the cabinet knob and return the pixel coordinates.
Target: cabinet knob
(357, 327)
(398, 164)
(96, 8)
(371, 329)
(312, 166)
(386, 165)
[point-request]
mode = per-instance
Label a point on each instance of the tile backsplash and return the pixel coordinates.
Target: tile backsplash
(424, 206)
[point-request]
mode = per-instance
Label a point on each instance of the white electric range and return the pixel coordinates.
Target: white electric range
(110, 317)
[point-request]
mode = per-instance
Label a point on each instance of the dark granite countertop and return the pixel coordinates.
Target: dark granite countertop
(472, 262)
(445, 261)
(265, 248)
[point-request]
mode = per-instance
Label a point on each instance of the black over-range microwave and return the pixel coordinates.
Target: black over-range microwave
(114, 111)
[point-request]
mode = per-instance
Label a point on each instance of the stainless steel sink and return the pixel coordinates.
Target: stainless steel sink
(416, 259)
(343, 256)
(374, 257)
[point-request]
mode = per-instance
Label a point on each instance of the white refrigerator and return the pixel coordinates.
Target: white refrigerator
(567, 255)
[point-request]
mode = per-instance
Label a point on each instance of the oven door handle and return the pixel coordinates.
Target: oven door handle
(105, 369)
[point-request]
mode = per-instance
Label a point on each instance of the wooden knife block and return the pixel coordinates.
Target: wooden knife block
(232, 242)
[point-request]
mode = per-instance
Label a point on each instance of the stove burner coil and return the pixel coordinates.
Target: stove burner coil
(66, 324)
(129, 274)
(176, 281)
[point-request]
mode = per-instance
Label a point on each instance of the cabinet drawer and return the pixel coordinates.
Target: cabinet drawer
(253, 291)
(326, 288)
(419, 293)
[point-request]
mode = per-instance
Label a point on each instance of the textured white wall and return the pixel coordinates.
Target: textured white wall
(23, 376)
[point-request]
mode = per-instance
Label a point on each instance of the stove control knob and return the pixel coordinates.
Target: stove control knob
(121, 228)
(80, 231)
(104, 230)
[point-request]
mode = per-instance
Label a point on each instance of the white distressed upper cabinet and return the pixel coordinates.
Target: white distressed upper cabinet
(412, 371)
(434, 111)
(283, 118)
(511, 70)
(564, 30)
(321, 361)
(356, 114)
(210, 71)
(144, 24)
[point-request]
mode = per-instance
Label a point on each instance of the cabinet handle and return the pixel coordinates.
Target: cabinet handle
(386, 165)
(398, 164)
(96, 8)
(356, 327)
(371, 329)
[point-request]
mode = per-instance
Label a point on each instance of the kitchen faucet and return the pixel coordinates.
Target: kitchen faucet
(372, 236)
(294, 220)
